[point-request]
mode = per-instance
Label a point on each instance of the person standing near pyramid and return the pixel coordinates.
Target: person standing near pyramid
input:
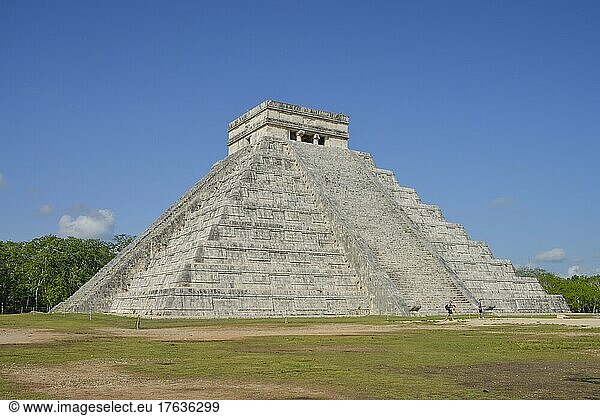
(450, 308)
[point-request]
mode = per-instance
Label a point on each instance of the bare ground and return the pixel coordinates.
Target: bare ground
(33, 336)
(241, 332)
(575, 322)
(217, 333)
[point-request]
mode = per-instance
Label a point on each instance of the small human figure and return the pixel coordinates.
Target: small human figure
(480, 308)
(450, 307)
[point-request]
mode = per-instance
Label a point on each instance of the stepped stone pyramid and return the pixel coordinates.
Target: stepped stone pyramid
(293, 223)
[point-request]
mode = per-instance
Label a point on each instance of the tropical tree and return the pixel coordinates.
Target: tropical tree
(121, 241)
(38, 274)
(582, 293)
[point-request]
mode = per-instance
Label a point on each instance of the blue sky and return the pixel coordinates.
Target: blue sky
(110, 110)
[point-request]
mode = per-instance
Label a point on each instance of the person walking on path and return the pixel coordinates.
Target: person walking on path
(450, 307)
(480, 308)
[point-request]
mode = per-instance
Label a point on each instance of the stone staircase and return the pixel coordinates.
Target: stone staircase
(417, 270)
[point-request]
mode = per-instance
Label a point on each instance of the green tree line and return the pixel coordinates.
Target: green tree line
(582, 293)
(38, 274)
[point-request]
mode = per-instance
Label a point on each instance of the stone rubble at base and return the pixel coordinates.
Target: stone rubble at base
(293, 223)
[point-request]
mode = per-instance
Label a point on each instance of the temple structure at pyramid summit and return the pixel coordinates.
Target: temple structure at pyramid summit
(294, 223)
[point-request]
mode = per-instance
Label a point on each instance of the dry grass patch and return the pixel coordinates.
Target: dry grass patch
(110, 380)
(536, 380)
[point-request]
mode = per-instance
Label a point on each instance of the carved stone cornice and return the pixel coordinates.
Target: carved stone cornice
(290, 117)
(291, 109)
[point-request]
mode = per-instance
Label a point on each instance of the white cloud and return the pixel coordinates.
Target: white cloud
(93, 224)
(46, 209)
(573, 270)
(556, 255)
(2, 182)
(502, 202)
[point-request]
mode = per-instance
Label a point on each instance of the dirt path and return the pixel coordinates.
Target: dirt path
(33, 336)
(575, 322)
(229, 332)
(217, 333)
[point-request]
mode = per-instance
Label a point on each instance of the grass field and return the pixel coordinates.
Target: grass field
(69, 356)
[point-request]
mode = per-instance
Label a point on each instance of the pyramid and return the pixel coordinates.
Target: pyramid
(294, 223)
